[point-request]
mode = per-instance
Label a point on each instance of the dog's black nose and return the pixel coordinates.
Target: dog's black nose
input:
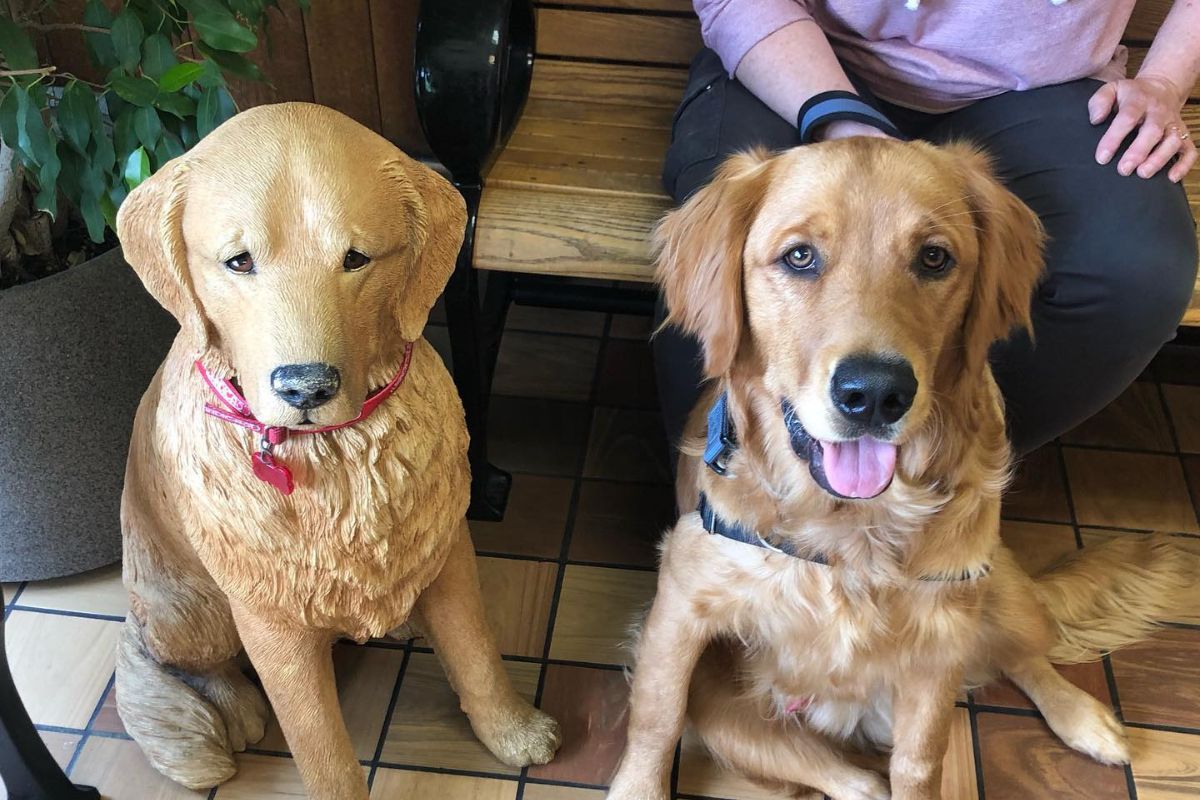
(305, 386)
(873, 390)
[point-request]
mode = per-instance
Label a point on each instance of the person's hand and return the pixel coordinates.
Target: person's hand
(1150, 104)
(843, 128)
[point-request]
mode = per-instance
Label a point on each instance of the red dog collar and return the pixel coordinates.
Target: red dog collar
(238, 412)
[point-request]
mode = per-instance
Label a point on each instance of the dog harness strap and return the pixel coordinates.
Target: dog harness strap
(238, 412)
(826, 107)
(714, 523)
(722, 440)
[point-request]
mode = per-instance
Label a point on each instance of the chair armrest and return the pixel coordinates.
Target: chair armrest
(473, 64)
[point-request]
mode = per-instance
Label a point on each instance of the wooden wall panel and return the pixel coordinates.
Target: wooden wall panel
(342, 58)
(393, 31)
(283, 57)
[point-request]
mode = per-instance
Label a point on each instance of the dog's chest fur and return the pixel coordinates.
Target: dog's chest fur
(370, 521)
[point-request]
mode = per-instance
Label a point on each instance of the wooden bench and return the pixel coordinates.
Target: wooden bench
(573, 180)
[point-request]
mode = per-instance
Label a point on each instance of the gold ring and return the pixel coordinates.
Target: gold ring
(1183, 133)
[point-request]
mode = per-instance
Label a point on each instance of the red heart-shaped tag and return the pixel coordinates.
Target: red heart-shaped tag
(267, 471)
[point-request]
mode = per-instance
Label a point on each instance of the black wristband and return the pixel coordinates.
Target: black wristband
(826, 107)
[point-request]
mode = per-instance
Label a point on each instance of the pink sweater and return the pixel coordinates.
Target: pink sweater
(945, 53)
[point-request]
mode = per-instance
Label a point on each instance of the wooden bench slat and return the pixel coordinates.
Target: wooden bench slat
(1138, 54)
(629, 116)
(1147, 16)
(567, 233)
(643, 144)
(617, 37)
(677, 6)
(527, 168)
(608, 84)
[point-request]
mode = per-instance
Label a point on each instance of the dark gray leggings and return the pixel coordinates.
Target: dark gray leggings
(1121, 256)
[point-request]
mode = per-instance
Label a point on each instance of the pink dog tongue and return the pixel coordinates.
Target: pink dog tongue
(862, 468)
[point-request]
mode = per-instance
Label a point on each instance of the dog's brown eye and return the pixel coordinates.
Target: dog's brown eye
(801, 258)
(354, 261)
(935, 259)
(242, 264)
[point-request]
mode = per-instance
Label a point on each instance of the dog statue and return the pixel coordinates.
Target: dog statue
(298, 470)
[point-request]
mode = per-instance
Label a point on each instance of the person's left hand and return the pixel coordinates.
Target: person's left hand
(1153, 103)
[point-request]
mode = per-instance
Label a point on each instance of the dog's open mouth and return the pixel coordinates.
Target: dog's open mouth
(858, 469)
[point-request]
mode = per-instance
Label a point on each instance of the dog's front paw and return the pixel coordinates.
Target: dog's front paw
(1095, 731)
(522, 737)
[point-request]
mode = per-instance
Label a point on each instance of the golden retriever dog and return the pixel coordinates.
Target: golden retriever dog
(301, 254)
(846, 295)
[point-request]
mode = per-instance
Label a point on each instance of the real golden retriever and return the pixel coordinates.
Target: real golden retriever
(846, 295)
(301, 254)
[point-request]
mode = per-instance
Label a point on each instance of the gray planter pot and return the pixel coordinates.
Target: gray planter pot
(77, 350)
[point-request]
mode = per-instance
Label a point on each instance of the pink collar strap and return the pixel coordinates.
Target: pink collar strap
(237, 411)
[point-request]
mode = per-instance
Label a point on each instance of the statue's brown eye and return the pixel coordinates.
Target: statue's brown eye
(354, 261)
(242, 264)
(935, 259)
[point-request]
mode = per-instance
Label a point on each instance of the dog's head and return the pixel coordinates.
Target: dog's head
(301, 249)
(859, 281)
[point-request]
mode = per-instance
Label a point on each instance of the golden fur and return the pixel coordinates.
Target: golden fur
(216, 560)
(737, 633)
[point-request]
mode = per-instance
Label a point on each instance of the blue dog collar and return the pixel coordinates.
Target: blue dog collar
(826, 107)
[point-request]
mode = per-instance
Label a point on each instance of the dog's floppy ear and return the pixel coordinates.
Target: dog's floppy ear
(437, 217)
(1010, 239)
(150, 227)
(699, 258)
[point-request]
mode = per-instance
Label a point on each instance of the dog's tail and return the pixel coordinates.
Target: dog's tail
(1114, 594)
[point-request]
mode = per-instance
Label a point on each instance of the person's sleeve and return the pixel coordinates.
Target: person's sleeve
(733, 27)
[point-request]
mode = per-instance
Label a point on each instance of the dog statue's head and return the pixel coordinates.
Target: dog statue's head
(857, 281)
(300, 251)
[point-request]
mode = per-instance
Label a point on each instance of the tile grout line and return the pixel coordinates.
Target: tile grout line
(387, 717)
(87, 729)
(59, 612)
(1111, 679)
(8, 607)
(976, 744)
(1166, 409)
(1193, 495)
(1068, 495)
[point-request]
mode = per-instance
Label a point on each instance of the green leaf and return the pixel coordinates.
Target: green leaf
(179, 76)
(178, 104)
(8, 116)
(137, 168)
(93, 216)
(224, 32)
(303, 5)
(187, 132)
(206, 112)
(36, 141)
(251, 10)
(16, 47)
(158, 57)
(124, 137)
(127, 35)
(75, 115)
(103, 155)
(226, 108)
(47, 196)
(139, 91)
(232, 63)
(169, 147)
(100, 45)
(147, 126)
(154, 18)
(109, 209)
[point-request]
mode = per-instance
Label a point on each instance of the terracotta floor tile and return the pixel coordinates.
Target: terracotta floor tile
(264, 778)
(592, 706)
(621, 523)
(630, 326)
(543, 436)
(596, 608)
(366, 677)
(541, 365)
(1130, 490)
(534, 791)
(1037, 545)
(626, 376)
(700, 775)
(516, 597)
(627, 445)
(553, 320)
(1089, 677)
(1158, 680)
(1189, 613)
(958, 768)
(392, 784)
(61, 665)
(1023, 759)
(1184, 405)
(1191, 469)
(1037, 492)
(1135, 420)
(1166, 765)
(97, 592)
(108, 720)
(119, 770)
(429, 730)
(534, 522)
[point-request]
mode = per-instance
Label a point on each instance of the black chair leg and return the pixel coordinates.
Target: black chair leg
(472, 371)
(28, 770)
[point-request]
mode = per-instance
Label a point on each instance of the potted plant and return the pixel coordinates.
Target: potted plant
(79, 342)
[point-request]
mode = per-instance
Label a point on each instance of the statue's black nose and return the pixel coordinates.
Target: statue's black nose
(305, 386)
(873, 390)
